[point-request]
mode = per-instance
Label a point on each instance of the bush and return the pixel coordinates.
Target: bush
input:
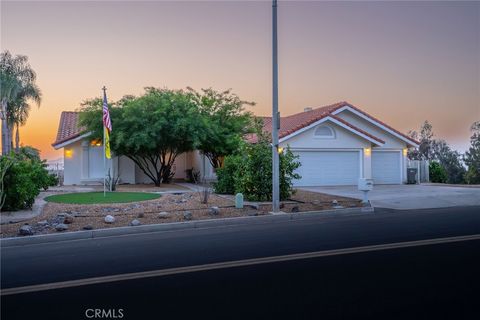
(250, 172)
(226, 175)
(437, 172)
(24, 179)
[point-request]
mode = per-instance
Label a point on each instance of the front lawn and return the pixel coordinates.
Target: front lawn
(99, 198)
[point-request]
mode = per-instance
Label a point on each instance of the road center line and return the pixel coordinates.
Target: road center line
(232, 264)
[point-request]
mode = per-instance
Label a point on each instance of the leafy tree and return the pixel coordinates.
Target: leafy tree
(450, 160)
(434, 149)
(18, 87)
(425, 137)
(472, 156)
(152, 129)
(226, 123)
(437, 172)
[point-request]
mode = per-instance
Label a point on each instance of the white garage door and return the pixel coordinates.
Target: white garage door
(386, 167)
(328, 168)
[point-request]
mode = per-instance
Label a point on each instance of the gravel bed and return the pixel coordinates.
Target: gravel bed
(167, 208)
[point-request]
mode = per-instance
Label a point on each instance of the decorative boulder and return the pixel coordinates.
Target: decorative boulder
(61, 227)
(25, 230)
(135, 222)
(295, 209)
(68, 218)
(42, 223)
(187, 215)
(214, 211)
(141, 215)
(109, 219)
(253, 213)
(87, 227)
(334, 203)
(163, 215)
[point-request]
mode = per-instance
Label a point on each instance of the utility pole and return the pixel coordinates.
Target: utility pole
(275, 116)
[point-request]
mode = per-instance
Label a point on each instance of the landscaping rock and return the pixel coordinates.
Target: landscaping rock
(42, 223)
(68, 218)
(163, 215)
(295, 209)
(214, 211)
(187, 215)
(25, 230)
(334, 203)
(253, 213)
(281, 206)
(135, 222)
(141, 215)
(61, 227)
(109, 219)
(87, 227)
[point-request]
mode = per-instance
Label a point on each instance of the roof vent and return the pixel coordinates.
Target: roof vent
(306, 109)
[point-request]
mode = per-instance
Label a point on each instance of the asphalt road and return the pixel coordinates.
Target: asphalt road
(430, 281)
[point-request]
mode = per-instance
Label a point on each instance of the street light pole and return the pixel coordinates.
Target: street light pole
(275, 116)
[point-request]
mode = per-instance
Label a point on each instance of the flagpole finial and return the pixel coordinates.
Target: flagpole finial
(104, 89)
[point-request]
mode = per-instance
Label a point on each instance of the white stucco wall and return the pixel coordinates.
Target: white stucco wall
(344, 139)
(72, 159)
(126, 170)
(201, 163)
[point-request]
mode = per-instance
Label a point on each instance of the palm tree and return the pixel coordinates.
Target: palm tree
(20, 109)
(17, 87)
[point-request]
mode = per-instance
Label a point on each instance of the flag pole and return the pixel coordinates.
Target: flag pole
(275, 116)
(104, 155)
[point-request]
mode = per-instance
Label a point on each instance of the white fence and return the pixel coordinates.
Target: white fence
(423, 174)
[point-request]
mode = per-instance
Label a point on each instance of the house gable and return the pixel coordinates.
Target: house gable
(343, 139)
(393, 138)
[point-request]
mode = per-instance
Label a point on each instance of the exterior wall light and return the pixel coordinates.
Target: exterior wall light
(367, 151)
(68, 153)
(280, 150)
(405, 151)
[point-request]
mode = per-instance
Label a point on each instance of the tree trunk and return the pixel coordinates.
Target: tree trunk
(6, 145)
(17, 139)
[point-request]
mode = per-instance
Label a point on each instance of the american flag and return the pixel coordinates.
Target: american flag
(107, 123)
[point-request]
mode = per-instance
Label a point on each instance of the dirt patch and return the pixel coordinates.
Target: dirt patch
(148, 212)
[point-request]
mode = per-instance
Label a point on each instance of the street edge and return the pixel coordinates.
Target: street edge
(173, 226)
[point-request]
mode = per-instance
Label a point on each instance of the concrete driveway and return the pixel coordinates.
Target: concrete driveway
(409, 196)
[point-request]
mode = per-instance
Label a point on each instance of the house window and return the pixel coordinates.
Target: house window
(324, 132)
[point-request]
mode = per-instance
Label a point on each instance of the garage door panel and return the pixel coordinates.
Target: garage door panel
(328, 168)
(386, 167)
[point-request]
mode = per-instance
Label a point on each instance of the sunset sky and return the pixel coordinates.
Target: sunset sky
(402, 62)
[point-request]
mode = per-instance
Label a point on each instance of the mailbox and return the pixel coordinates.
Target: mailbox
(365, 184)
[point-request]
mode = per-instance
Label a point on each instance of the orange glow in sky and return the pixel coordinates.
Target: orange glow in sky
(401, 62)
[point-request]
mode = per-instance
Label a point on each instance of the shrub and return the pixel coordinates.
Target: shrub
(226, 175)
(24, 179)
(437, 173)
(250, 172)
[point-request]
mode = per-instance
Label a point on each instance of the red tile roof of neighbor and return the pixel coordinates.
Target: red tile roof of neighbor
(69, 123)
(68, 128)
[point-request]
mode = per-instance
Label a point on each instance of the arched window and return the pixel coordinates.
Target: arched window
(324, 132)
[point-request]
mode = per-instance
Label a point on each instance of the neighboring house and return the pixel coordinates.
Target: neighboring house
(337, 145)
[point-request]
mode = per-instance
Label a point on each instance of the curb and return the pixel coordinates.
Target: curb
(173, 226)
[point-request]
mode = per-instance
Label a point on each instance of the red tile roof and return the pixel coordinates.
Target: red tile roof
(295, 122)
(68, 128)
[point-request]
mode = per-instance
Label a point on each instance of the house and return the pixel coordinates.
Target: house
(336, 145)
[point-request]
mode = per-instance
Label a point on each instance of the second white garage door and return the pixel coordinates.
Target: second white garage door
(386, 167)
(328, 168)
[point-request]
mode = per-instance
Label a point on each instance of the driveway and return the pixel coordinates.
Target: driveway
(409, 196)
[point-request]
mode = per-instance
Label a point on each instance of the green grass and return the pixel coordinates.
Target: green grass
(98, 198)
